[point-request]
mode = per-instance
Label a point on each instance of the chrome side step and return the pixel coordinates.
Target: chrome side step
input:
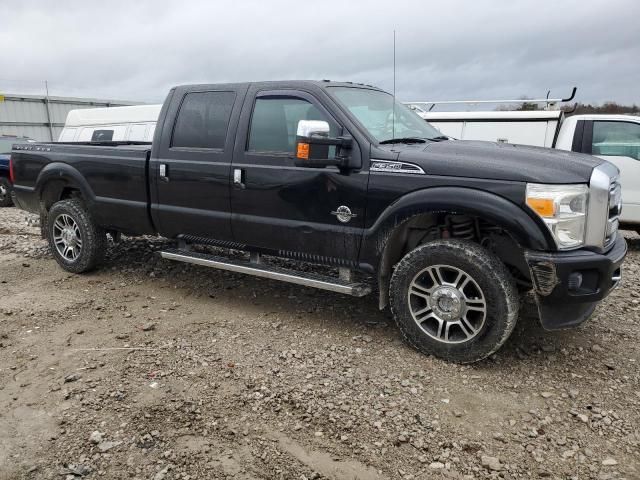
(259, 269)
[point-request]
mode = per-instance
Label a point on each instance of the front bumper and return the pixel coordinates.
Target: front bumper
(569, 285)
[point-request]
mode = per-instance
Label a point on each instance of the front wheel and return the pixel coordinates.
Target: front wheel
(5, 192)
(454, 299)
(76, 242)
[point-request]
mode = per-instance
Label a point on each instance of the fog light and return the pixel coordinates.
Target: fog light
(575, 281)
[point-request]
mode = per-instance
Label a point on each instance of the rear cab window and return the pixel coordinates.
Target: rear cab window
(104, 133)
(102, 136)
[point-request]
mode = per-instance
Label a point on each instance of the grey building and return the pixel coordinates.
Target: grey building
(41, 117)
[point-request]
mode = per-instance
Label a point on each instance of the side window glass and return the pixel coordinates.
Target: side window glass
(203, 120)
(102, 136)
(151, 130)
(67, 135)
(274, 123)
(136, 132)
(620, 139)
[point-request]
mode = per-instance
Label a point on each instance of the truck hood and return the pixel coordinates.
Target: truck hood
(499, 161)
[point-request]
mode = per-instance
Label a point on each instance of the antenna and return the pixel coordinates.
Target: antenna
(393, 121)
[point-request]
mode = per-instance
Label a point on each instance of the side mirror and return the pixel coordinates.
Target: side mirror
(313, 145)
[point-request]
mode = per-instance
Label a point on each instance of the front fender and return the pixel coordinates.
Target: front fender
(527, 231)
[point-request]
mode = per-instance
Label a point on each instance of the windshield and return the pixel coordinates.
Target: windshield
(375, 111)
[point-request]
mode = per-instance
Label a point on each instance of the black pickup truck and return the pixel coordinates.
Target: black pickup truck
(450, 233)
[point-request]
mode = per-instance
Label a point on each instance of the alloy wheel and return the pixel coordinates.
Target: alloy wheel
(447, 304)
(67, 238)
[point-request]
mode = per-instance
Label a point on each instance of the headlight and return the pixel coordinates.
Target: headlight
(563, 209)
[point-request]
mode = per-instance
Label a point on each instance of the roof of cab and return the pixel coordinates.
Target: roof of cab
(280, 84)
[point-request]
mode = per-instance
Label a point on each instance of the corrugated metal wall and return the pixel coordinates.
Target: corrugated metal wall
(42, 118)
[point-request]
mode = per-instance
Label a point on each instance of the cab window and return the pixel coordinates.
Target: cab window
(203, 120)
(102, 135)
(274, 123)
(619, 139)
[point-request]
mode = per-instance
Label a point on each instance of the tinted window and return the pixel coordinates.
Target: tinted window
(102, 136)
(620, 139)
(203, 120)
(274, 123)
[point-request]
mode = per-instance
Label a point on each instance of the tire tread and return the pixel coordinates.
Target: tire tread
(484, 260)
(94, 242)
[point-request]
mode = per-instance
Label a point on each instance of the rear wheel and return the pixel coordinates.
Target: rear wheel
(454, 299)
(5, 192)
(76, 242)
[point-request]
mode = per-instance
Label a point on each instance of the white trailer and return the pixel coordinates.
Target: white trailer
(615, 138)
(537, 128)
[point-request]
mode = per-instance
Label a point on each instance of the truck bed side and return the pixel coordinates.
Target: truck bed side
(112, 179)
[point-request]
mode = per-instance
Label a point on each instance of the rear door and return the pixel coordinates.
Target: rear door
(190, 171)
(618, 141)
(281, 207)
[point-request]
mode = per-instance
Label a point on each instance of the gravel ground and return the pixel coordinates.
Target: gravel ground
(148, 369)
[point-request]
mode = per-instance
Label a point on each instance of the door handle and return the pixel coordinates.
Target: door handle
(164, 172)
(238, 177)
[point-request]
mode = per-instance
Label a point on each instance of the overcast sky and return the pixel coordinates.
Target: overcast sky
(451, 49)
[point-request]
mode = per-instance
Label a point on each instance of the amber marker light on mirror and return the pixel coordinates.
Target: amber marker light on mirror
(303, 151)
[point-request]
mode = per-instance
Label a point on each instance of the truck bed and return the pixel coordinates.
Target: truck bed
(113, 177)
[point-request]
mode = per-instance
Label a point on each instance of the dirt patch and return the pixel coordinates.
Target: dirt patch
(187, 373)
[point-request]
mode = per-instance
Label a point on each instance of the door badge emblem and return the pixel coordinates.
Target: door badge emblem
(343, 214)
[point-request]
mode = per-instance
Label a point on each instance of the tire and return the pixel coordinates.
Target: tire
(68, 221)
(5, 192)
(480, 313)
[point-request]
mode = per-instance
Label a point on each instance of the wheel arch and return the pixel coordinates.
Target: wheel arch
(384, 243)
(57, 181)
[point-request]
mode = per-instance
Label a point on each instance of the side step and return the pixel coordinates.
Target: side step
(258, 269)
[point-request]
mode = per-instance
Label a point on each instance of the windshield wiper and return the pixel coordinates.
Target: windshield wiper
(404, 140)
(439, 138)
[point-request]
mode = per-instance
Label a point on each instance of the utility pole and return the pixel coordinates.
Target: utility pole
(46, 104)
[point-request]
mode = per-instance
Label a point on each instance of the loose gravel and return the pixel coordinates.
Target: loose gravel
(148, 369)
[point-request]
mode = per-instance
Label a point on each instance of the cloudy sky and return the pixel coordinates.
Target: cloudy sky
(452, 49)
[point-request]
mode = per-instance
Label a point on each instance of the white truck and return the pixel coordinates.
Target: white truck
(615, 138)
(135, 123)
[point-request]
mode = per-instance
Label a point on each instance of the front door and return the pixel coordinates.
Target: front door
(191, 171)
(315, 214)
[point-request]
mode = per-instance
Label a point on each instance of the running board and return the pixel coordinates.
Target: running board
(258, 269)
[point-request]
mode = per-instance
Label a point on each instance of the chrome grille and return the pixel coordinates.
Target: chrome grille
(615, 207)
